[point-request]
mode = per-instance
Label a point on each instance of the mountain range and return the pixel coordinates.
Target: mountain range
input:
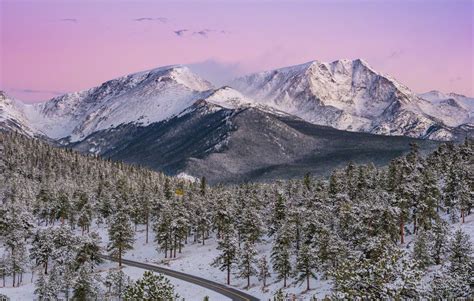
(279, 123)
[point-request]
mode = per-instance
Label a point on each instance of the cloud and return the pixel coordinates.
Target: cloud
(455, 79)
(218, 72)
(203, 33)
(180, 32)
(395, 54)
(72, 20)
(34, 91)
(148, 19)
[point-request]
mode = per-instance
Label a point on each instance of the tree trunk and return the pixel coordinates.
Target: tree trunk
(120, 257)
(307, 282)
(46, 267)
(462, 215)
(228, 274)
(297, 237)
(415, 228)
(284, 281)
(402, 234)
(203, 237)
(14, 276)
(147, 223)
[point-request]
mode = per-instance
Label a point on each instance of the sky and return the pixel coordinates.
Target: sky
(50, 47)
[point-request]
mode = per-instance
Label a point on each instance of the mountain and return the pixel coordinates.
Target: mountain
(349, 95)
(454, 109)
(13, 116)
(276, 124)
(242, 143)
(143, 98)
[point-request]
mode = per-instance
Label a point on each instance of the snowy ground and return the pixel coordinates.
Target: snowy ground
(195, 260)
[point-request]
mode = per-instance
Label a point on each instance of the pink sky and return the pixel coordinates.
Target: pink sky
(51, 47)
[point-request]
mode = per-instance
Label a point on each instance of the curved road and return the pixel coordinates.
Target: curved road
(229, 292)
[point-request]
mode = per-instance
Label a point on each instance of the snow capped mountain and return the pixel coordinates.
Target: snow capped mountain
(454, 109)
(347, 95)
(13, 117)
(142, 98)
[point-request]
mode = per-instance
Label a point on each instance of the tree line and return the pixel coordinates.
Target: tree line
(373, 231)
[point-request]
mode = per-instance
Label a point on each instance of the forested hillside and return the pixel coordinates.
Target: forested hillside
(368, 232)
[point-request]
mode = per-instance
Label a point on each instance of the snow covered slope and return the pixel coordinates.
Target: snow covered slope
(142, 98)
(347, 95)
(344, 94)
(454, 109)
(13, 117)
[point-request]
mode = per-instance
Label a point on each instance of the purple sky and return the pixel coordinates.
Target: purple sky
(50, 47)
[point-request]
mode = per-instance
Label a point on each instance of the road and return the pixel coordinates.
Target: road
(229, 292)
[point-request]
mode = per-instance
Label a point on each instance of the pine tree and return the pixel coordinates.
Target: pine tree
(306, 265)
(117, 283)
(460, 256)
(162, 228)
(89, 250)
(428, 202)
(421, 250)
(279, 214)
(151, 287)
(281, 254)
(247, 261)
(227, 245)
(439, 238)
(41, 248)
(87, 285)
(121, 233)
(263, 270)
(45, 289)
(382, 273)
(203, 186)
(454, 279)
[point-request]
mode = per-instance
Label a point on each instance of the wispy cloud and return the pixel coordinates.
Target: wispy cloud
(35, 91)
(218, 72)
(180, 32)
(71, 20)
(150, 19)
(395, 54)
(203, 33)
(455, 79)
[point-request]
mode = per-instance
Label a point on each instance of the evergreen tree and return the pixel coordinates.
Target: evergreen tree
(263, 270)
(41, 248)
(281, 254)
(227, 245)
(247, 261)
(120, 233)
(460, 255)
(151, 287)
(117, 283)
(439, 238)
(421, 250)
(45, 289)
(87, 285)
(279, 214)
(89, 250)
(306, 265)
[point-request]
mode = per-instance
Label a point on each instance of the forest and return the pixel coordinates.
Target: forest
(393, 232)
